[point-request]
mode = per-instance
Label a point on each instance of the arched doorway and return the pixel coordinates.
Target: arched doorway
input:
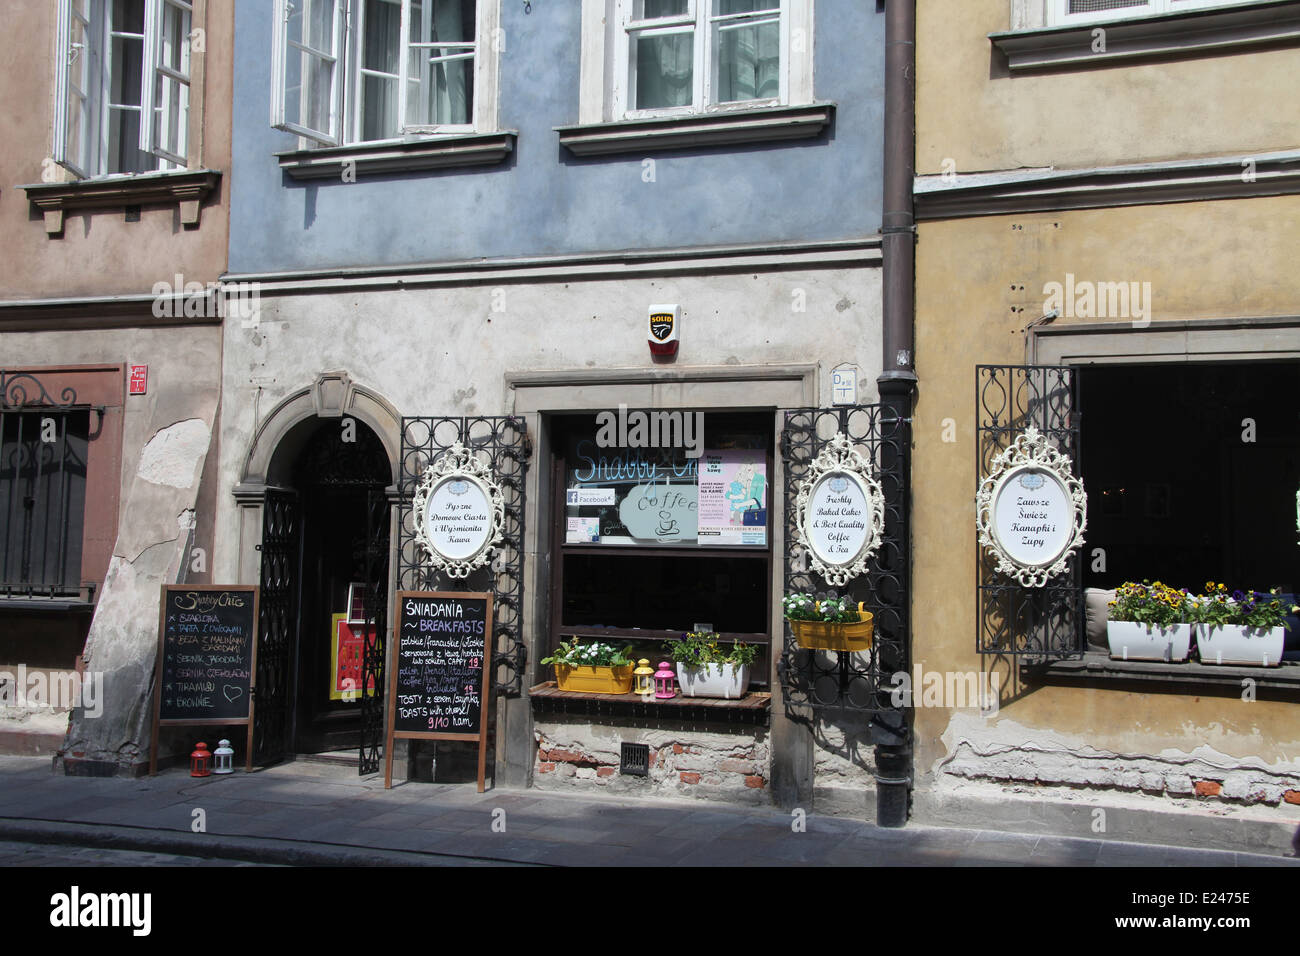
(330, 474)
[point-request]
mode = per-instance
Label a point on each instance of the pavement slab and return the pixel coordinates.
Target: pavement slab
(331, 815)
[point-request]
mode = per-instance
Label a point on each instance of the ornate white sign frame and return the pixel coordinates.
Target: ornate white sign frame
(459, 463)
(839, 456)
(1031, 449)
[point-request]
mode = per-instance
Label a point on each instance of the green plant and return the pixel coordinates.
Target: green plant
(697, 648)
(804, 607)
(1256, 609)
(1245, 608)
(572, 653)
(1155, 605)
(1214, 607)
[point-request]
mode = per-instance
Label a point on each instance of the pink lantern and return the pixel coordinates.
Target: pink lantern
(665, 682)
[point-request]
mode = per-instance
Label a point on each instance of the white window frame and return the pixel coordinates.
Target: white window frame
(347, 85)
(1058, 15)
(606, 50)
(699, 21)
(86, 73)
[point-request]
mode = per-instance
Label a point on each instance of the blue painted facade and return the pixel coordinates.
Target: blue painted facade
(545, 201)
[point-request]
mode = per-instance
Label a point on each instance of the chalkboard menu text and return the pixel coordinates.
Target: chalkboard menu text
(438, 687)
(207, 643)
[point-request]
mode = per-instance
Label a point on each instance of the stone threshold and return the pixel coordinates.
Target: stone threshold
(1109, 815)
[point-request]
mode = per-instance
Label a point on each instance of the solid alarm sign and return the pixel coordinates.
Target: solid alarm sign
(665, 324)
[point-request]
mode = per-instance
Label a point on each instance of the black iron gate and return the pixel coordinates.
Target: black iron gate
(277, 622)
(1034, 623)
(376, 631)
(857, 681)
(502, 443)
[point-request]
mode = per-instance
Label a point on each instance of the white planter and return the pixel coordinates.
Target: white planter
(1132, 641)
(1238, 644)
(713, 680)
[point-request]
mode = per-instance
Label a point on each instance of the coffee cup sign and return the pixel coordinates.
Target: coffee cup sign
(459, 511)
(840, 509)
(1031, 510)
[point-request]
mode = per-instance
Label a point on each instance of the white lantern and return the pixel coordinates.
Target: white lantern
(225, 757)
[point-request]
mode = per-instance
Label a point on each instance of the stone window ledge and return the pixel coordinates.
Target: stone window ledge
(1166, 35)
(752, 709)
(398, 156)
(1097, 667)
(767, 124)
(53, 605)
(188, 188)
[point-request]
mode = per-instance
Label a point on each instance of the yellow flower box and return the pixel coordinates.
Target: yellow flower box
(833, 636)
(595, 680)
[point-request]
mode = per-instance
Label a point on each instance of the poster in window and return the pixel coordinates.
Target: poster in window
(709, 492)
(347, 650)
(733, 496)
(629, 496)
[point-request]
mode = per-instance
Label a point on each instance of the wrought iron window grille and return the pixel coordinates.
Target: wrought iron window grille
(853, 681)
(1034, 624)
(44, 445)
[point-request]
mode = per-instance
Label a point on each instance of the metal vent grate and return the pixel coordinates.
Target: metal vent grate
(634, 759)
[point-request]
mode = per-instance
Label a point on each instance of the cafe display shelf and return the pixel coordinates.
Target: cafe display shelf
(648, 634)
(753, 708)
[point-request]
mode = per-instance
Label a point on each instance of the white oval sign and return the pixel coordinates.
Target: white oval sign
(836, 520)
(1033, 516)
(458, 519)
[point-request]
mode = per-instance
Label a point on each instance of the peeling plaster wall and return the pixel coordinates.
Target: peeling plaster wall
(687, 761)
(1006, 751)
(166, 440)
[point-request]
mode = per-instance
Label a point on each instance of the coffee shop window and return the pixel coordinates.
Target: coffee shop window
(662, 526)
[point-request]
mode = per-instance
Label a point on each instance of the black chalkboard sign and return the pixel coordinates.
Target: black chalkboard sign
(207, 644)
(438, 685)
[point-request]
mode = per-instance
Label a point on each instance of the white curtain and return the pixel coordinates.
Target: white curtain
(748, 56)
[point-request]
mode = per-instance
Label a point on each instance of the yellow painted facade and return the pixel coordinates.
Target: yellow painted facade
(981, 279)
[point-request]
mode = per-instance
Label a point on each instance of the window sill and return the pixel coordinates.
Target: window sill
(766, 124)
(188, 188)
(1166, 35)
(405, 156)
(1097, 667)
(753, 708)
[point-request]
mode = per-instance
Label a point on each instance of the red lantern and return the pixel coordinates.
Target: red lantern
(201, 761)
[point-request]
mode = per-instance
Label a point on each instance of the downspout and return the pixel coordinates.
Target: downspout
(891, 727)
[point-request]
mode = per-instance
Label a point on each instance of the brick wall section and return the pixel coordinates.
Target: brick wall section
(723, 763)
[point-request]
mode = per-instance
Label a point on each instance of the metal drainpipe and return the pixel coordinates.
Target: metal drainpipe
(891, 728)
